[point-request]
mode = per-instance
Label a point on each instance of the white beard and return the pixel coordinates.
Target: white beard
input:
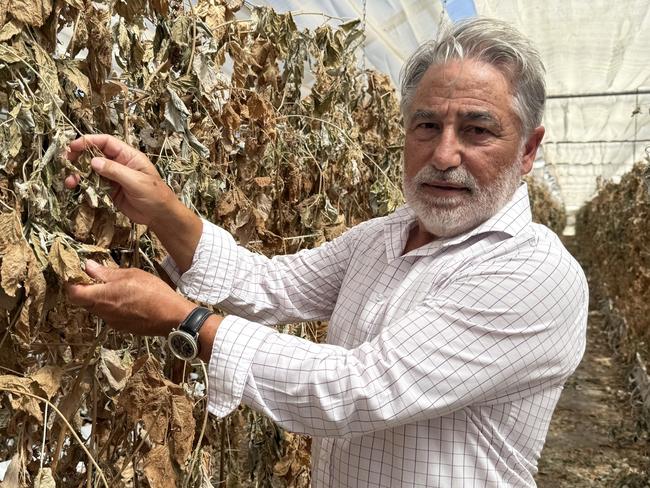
(451, 216)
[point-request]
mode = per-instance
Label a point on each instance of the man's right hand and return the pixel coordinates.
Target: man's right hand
(140, 193)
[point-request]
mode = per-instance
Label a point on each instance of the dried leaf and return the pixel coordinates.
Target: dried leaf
(131, 9)
(44, 479)
(82, 222)
(146, 398)
(158, 468)
(10, 230)
(116, 369)
(10, 29)
(161, 7)
(20, 401)
(16, 474)
(14, 267)
(100, 44)
(71, 403)
(77, 4)
(234, 5)
(10, 54)
(66, 264)
(263, 181)
(36, 286)
(260, 108)
(214, 17)
(47, 71)
(48, 379)
(30, 12)
(15, 140)
(282, 467)
(182, 427)
(104, 226)
(176, 113)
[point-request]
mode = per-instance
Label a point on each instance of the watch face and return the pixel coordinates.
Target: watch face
(182, 345)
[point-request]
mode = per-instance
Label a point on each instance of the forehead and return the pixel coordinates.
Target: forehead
(468, 82)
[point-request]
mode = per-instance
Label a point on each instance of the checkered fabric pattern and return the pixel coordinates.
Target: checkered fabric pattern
(442, 367)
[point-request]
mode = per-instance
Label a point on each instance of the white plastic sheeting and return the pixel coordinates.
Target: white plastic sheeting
(589, 48)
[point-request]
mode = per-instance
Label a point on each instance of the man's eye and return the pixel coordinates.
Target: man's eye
(478, 131)
(427, 125)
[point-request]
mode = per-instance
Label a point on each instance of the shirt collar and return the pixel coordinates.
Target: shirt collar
(510, 220)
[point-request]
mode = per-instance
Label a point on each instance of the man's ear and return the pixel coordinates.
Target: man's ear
(530, 149)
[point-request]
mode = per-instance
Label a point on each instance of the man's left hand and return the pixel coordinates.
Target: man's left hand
(131, 300)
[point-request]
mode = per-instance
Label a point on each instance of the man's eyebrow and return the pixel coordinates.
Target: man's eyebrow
(480, 116)
(424, 115)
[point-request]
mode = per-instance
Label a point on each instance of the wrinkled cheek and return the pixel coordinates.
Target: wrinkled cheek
(415, 158)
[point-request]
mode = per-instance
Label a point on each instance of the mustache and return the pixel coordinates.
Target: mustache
(457, 176)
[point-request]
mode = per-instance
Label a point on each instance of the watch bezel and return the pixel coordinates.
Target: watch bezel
(187, 338)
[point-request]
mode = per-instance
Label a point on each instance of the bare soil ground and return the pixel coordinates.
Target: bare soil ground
(594, 439)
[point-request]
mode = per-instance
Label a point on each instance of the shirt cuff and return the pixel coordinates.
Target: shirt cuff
(213, 268)
(235, 344)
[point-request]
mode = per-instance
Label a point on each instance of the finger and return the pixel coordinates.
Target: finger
(85, 296)
(107, 144)
(102, 273)
(88, 141)
(113, 148)
(127, 178)
(72, 181)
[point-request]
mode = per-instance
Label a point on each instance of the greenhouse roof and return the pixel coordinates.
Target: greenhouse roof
(596, 56)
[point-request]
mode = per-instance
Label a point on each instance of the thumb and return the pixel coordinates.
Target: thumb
(99, 272)
(123, 175)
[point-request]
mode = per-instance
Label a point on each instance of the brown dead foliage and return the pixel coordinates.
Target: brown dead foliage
(611, 243)
(219, 104)
(611, 232)
(546, 208)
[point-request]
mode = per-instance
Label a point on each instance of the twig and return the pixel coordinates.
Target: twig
(197, 450)
(59, 445)
(44, 437)
(222, 453)
(70, 48)
(321, 14)
(12, 322)
(125, 108)
(189, 64)
(74, 434)
(93, 432)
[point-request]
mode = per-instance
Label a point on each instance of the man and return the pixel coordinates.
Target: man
(454, 322)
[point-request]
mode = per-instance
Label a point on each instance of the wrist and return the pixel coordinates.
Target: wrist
(179, 230)
(206, 337)
(169, 213)
(177, 314)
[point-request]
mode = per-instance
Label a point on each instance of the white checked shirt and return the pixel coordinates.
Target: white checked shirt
(442, 367)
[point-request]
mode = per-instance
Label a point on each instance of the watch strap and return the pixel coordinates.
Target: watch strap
(194, 321)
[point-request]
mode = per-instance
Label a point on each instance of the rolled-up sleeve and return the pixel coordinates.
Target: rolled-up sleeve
(283, 289)
(213, 268)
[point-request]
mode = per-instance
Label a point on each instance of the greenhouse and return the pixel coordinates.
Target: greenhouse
(333, 243)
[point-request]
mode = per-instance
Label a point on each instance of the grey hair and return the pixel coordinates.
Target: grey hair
(491, 41)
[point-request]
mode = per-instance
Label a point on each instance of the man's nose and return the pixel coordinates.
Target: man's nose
(447, 153)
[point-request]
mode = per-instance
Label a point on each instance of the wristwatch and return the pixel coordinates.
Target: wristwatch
(184, 340)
